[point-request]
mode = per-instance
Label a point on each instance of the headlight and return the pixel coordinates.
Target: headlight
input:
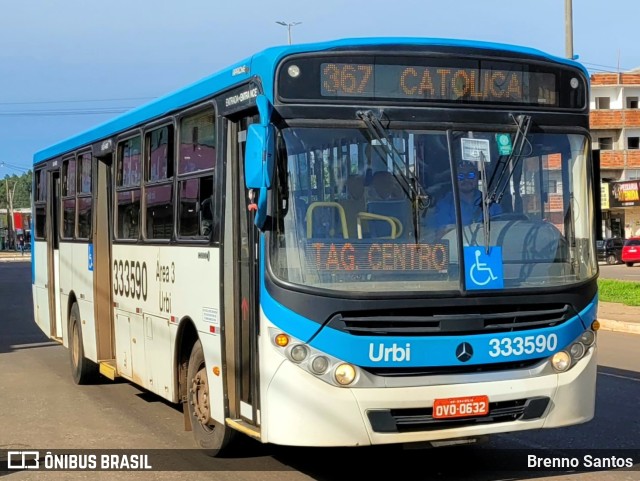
(323, 366)
(319, 364)
(588, 338)
(577, 350)
(561, 361)
(345, 374)
(299, 353)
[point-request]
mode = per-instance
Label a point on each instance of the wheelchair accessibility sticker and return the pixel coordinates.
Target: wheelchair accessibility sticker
(482, 270)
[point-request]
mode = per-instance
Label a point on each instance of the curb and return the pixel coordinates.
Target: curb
(619, 326)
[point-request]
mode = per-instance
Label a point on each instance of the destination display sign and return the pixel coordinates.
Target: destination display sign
(437, 83)
(366, 256)
(434, 80)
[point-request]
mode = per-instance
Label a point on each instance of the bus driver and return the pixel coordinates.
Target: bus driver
(444, 216)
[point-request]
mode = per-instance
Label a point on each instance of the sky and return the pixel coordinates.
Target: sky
(68, 65)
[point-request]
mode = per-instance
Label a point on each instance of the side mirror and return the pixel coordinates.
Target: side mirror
(258, 156)
(258, 166)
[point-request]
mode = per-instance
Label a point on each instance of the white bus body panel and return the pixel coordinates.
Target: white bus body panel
(321, 414)
(41, 286)
(75, 279)
(179, 283)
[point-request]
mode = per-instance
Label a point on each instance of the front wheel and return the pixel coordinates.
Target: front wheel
(210, 435)
(83, 370)
(611, 259)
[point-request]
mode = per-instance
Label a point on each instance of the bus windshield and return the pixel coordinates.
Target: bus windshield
(348, 218)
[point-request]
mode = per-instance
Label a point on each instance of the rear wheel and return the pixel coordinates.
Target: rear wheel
(629, 264)
(611, 259)
(215, 437)
(83, 370)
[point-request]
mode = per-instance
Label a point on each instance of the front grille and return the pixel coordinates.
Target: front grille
(454, 320)
(421, 419)
(463, 369)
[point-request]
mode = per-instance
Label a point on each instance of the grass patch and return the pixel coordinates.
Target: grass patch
(624, 292)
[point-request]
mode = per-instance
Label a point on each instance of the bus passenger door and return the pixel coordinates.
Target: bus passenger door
(243, 290)
(54, 271)
(101, 257)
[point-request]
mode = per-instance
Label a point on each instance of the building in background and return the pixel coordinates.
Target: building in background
(615, 128)
(21, 225)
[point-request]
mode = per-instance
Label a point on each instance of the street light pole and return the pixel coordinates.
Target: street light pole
(10, 195)
(568, 22)
(288, 25)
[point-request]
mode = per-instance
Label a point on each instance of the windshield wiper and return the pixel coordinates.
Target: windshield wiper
(411, 186)
(486, 203)
(523, 124)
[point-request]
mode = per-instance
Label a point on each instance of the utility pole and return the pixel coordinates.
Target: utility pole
(568, 22)
(10, 194)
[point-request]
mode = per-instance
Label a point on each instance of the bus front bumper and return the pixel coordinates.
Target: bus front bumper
(301, 410)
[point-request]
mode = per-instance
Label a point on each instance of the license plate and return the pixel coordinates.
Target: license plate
(461, 407)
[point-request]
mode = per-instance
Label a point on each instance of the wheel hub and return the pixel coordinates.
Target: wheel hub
(200, 396)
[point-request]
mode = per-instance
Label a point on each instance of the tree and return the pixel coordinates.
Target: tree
(21, 192)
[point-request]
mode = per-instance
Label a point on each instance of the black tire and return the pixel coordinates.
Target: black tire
(83, 370)
(611, 259)
(215, 438)
(629, 264)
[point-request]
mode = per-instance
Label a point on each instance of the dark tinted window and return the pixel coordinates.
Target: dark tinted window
(128, 176)
(69, 184)
(85, 202)
(632, 242)
(198, 215)
(128, 214)
(158, 201)
(129, 170)
(197, 143)
(158, 194)
(41, 221)
(160, 154)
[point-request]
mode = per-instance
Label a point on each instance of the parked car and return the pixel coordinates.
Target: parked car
(631, 251)
(610, 250)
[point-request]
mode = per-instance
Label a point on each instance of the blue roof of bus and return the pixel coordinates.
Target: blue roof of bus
(263, 64)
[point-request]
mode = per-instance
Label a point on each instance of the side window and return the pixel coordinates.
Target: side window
(198, 213)
(40, 199)
(128, 175)
(68, 198)
(159, 161)
(197, 142)
(84, 196)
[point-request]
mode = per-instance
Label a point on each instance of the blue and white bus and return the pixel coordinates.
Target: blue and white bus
(356, 242)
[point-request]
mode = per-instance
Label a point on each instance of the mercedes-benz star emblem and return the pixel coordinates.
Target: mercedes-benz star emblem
(464, 352)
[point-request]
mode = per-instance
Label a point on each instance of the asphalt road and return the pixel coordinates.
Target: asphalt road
(41, 408)
(620, 272)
